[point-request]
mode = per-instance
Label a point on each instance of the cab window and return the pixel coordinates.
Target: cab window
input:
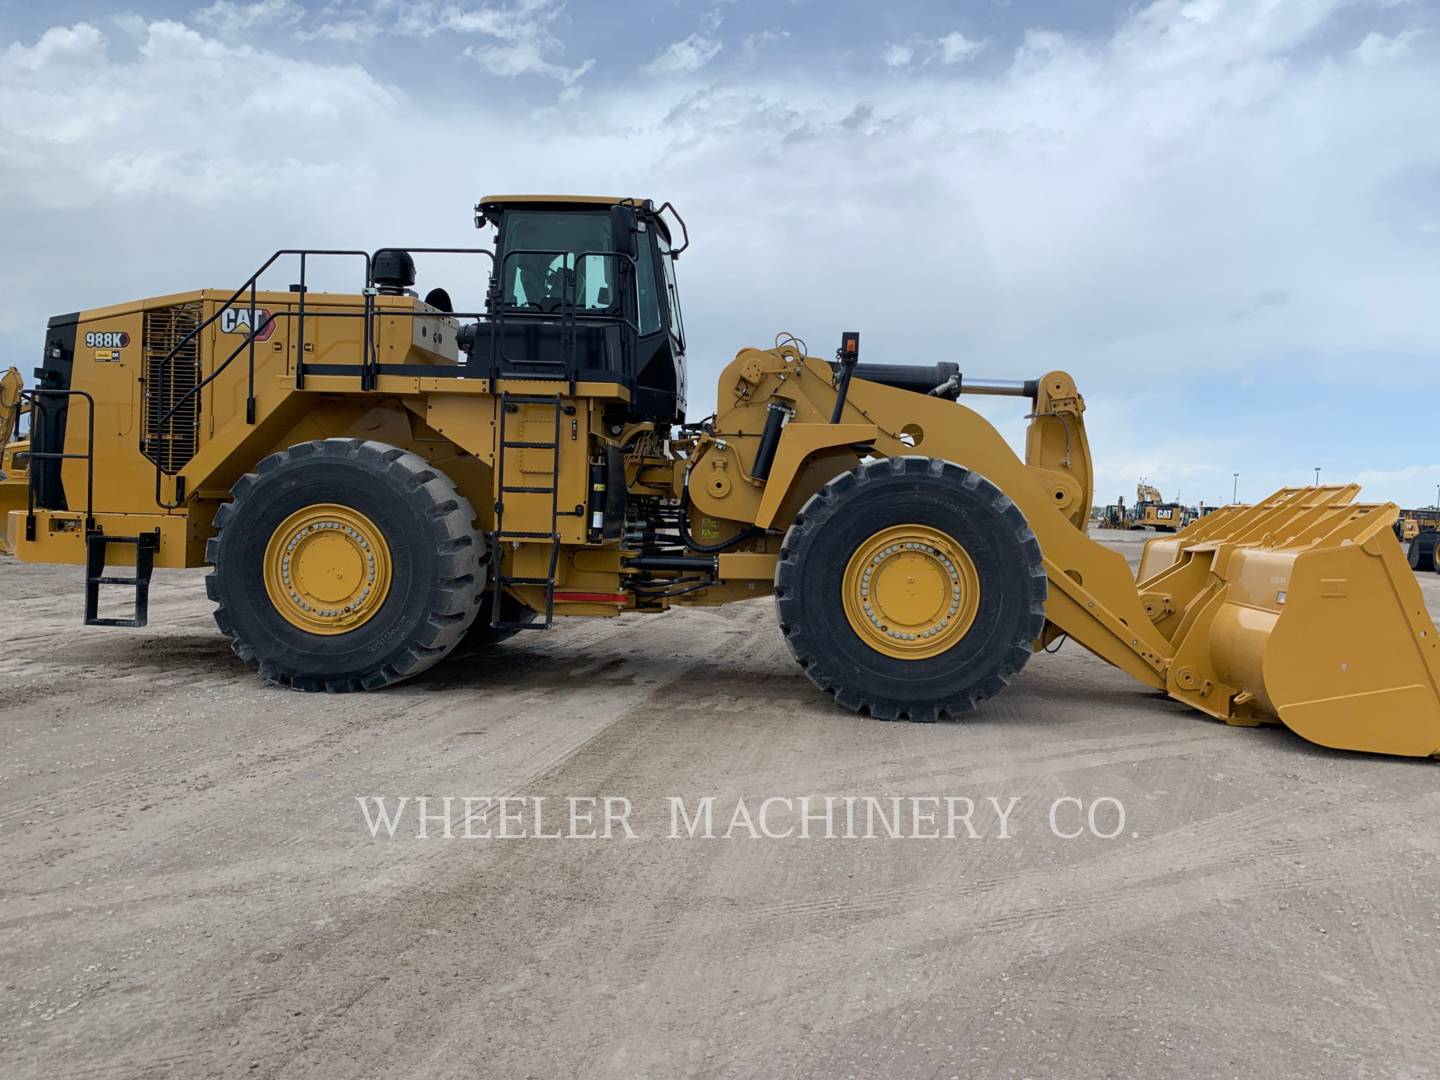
(647, 295)
(541, 269)
(672, 294)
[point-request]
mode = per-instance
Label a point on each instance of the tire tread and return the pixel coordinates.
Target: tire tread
(450, 523)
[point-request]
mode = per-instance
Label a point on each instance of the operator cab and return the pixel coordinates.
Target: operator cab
(584, 290)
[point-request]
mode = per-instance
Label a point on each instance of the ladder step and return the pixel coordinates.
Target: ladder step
(96, 543)
(555, 405)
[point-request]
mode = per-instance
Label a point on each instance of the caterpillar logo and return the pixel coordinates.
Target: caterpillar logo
(243, 320)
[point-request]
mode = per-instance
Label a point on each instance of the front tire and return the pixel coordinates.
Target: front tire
(345, 564)
(911, 589)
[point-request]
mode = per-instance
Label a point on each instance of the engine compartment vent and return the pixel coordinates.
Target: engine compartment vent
(167, 384)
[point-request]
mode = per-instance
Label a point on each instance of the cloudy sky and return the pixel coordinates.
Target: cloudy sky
(1222, 217)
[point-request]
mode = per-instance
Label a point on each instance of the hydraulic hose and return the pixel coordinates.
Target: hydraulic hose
(748, 533)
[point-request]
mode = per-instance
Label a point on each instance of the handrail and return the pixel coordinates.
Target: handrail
(250, 285)
(370, 358)
(685, 232)
(371, 346)
(632, 323)
(568, 305)
(32, 477)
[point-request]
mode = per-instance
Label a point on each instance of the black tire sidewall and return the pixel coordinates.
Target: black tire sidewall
(415, 566)
(812, 605)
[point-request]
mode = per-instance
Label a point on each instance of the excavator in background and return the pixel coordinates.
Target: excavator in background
(14, 447)
(373, 477)
(1151, 511)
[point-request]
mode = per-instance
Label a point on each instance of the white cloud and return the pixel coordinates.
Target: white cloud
(59, 48)
(956, 47)
(684, 56)
(229, 18)
(951, 48)
(1377, 48)
(1420, 482)
(897, 56)
(1105, 206)
(522, 39)
(523, 58)
(759, 40)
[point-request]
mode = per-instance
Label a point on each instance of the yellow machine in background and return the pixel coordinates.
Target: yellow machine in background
(1113, 516)
(1419, 531)
(373, 477)
(1151, 511)
(1413, 522)
(13, 448)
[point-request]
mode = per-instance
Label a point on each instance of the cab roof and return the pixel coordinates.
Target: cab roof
(554, 200)
(496, 202)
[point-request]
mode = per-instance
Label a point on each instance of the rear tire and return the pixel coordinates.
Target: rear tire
(1422, 552)
(344, 565)
(973, 617)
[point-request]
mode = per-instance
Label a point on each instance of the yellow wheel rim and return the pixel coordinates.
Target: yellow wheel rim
(327, 569)
(911, 592)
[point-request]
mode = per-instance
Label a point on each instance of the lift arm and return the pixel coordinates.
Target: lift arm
(1300, 609)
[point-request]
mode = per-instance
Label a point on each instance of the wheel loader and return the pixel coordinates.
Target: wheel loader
(14, 448)
(374, 476)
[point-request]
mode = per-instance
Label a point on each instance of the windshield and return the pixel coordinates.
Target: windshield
(540, 270)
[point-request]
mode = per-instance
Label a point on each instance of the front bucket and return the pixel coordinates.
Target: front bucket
(1301, 609)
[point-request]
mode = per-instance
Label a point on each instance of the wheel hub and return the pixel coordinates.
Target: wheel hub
(911, 592)
(327, 569)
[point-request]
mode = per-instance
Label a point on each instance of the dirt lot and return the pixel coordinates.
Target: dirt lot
(190, 888)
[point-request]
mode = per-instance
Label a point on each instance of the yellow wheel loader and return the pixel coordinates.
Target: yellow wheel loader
(1422, 550)
(374, 477)
(14, 448)
(1417, 530)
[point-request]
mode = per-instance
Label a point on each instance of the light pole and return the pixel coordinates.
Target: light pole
(1235, 494)
(1317, 475)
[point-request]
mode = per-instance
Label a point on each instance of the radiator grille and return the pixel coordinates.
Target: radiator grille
(166, 385)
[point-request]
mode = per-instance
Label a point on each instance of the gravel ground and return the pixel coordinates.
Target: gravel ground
(190, 888)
